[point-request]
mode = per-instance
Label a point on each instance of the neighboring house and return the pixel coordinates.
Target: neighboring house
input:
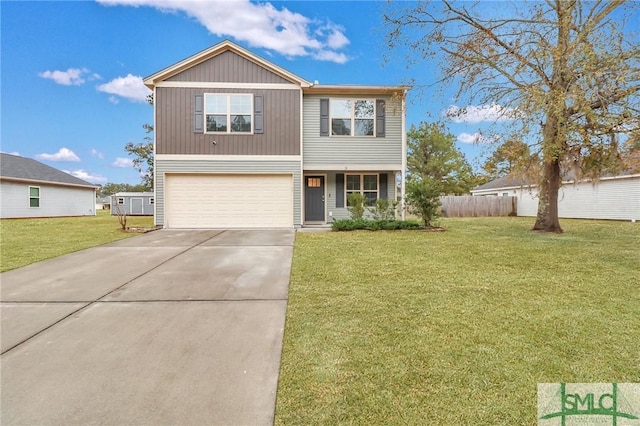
(132, 203)
(29, 188)
(241, 142)
(612, 197)
(103, 203)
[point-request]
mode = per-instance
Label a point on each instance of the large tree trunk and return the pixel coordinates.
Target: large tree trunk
(547, 219)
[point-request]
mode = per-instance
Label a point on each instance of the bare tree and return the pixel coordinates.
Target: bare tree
(566, 73)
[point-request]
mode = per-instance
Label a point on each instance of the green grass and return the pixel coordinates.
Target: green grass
(25, 241)
(456, 328)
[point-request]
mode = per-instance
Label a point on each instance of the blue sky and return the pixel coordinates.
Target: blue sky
(72, 93)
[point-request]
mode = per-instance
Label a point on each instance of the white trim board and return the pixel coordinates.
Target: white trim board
(355, 168)
(197, 157)
(217, 85)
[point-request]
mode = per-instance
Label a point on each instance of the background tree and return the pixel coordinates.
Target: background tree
(566, 72)
(432, 155)
(142, 153)
(631, 154)
(113, 188)
(510, 157)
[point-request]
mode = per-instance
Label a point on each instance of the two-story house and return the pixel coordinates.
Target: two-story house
(242, 143)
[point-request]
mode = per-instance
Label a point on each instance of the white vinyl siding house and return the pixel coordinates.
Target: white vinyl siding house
(29, 188)
(612, 197)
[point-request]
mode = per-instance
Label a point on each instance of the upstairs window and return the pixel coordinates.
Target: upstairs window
(34, 196)
(228, 113)
(352, 117)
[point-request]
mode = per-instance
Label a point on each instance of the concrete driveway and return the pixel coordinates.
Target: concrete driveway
(169, 327)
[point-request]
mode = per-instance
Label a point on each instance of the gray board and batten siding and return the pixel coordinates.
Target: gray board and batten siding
(351, 150)
(218, 167)
(228, 67)
(175, 109)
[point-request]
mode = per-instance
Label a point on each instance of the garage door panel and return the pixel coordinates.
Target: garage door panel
(229, 201)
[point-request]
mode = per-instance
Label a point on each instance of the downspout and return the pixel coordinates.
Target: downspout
(155, 170)
(403, 172)
(301, 199)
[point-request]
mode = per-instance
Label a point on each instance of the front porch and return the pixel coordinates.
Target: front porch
(325, 192)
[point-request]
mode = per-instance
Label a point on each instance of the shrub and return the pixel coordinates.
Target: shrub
(374, 225)
(383, 209)
(423, 199)
(355, 205)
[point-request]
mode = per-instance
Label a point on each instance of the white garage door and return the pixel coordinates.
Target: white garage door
(228, 201)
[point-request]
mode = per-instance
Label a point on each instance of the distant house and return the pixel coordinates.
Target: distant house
(103, 203)
(612, 197)
(29, 188)
(132, 203)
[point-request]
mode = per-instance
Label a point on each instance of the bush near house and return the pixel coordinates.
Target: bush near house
(374, 225)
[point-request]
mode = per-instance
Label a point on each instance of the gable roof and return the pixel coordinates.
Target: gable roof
(507, 181)
(13, 167)
(215, 50)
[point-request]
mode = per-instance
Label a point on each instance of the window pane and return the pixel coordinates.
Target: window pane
(34, 192)
(340, 108)
(241, 104)
(216, 123)
(215, 104)
(240, 123)
(341, 127)
(353, 182)
(370, 182)
(363, 109)
(364, 127)
(370, 198)
(34, 202)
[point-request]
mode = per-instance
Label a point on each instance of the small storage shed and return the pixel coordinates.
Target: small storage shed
(132, 203)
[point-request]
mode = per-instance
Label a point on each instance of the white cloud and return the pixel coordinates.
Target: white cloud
(84, 175)
(70, 77)
(122, 162)
(479, 113)
(468, 138)
(64, 154)
(95, 153)
(130, 87)
(476, 137)
(259, 24)
(12, 153)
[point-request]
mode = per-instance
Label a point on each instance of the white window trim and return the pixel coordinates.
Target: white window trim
(151, 201)
(362, 190)
(353, 118)
(120, 201)
(228, 95)
(30, 196)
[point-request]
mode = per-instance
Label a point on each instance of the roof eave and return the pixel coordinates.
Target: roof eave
(47, 182)
(322, 89)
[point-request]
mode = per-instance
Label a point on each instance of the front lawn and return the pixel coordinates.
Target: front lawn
(25, 241)
(456, 328)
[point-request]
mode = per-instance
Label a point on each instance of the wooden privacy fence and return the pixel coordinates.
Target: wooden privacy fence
(470, 206)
